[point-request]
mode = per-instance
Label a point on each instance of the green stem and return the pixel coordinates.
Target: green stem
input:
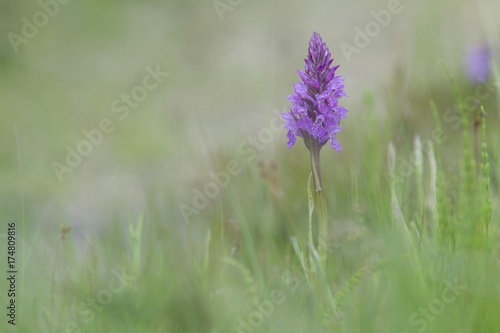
(323, 229)
(321, 206)
(315, 167)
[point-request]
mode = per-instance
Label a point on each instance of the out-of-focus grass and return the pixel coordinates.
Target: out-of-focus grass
(236, 255)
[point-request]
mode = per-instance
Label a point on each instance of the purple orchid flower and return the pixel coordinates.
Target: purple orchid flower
(315, 114)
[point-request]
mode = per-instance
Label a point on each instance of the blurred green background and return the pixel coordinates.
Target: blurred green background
(229, 65)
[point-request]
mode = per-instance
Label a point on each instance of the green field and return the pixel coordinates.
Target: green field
(146, 184)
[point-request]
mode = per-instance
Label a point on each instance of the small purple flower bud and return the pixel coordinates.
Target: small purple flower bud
(477, 63)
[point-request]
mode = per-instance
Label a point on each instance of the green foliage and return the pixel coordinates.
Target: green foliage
(413, 238)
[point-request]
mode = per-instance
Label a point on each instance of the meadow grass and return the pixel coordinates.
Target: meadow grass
(414, 248)
(413, 219)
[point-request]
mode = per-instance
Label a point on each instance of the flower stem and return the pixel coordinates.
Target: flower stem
(315, 167)
(323, 228)
(321, 207)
